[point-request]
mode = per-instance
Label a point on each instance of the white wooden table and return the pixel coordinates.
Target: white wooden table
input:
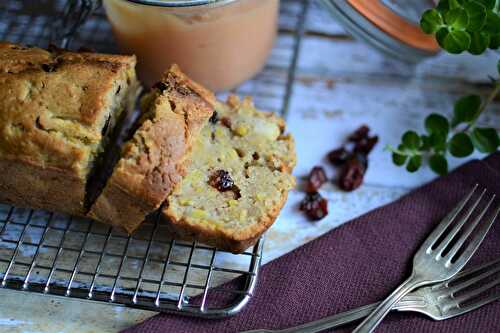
(340, 84)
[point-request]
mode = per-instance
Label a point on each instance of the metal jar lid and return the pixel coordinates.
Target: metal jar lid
(182, 3)
(391, 26)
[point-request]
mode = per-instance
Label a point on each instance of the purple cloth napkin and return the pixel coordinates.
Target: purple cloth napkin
(359, 263)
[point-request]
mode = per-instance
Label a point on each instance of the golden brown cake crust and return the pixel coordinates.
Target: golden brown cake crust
(235, 242)
(31, 186)
(153, 161)
(54, 106)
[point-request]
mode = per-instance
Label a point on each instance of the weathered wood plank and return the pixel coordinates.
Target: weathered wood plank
(323, 112)
(349, 58)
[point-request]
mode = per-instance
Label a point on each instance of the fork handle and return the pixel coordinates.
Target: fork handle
(332, 321)
(372, 321)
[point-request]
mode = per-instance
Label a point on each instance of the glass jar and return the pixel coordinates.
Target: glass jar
(219, 43)
(391, 26)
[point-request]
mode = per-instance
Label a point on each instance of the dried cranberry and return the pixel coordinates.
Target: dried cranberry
(365, 146)
(361, 158)
(359, 134)
(222, 181)
(161, 86)
(338, 156)
(226, 122)
(317, 177)
(352, 175)
(314, 206)
(49, 68)
(214, 118)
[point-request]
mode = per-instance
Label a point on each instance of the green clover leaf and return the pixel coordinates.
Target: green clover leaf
(492, 25)
(437, 124)
(426, 142)
(489, 4)
(399, 159)
(453, 41)
(454, 4)
(431, 21)
(438, 141)
(479, 42)
(464, 25)
(485, 140)
(460, 145)
(414, 163)
(477, 15)
(443, 6)
(457, 19)
(438, 164)
(466, 109)
(411, 140)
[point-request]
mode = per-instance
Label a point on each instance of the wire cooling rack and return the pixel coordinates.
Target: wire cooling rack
(65, 256)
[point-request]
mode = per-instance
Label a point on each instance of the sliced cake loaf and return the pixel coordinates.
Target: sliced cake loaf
(237, 181)
(57, 109)
(153, 161)
(222, 176)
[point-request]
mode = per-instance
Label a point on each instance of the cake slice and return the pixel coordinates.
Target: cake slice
(237, 181)
(153, 161)
(57, 111)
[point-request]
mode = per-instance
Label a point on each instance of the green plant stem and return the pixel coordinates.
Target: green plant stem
(403, 152)
(488, 101)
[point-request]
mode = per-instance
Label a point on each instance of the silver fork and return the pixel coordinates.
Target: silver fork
(467, 291)
(431, 263)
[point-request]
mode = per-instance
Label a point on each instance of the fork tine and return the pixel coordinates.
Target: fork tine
(457, 311)
(438, 231)
(464, 275)
(478, 291)
(495, 268)
(470, 228)
(476, 240)
(449, 237)
(483, 301)
(474, 270)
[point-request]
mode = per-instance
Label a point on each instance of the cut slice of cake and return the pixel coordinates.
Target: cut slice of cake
(237, 181)
(57, 110)
(153, 161)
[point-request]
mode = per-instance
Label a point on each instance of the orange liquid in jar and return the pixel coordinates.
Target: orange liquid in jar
(219, 47)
